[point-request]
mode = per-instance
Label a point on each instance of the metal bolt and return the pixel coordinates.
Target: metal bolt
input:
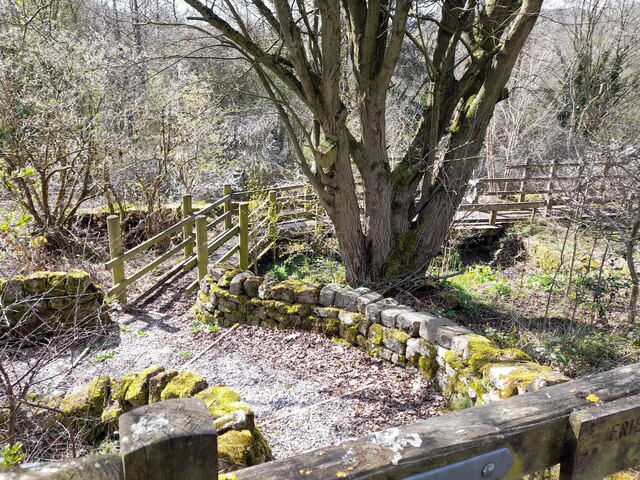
(488, 470)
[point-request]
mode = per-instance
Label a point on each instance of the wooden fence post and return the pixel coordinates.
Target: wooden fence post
(525, 172)
(169, 440)
(202, 249)
(493, 216)
(273, 215)
(227, 205)
(187, 230)
(244, 235)
(114, 232)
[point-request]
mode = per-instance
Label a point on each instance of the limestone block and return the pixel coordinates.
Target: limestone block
(350, 318)
(326, 312)
(283, 292)
(307, 294)
(237, 284)
(251, 285)
(388, 316)
(395, 340)
(410, 322)
(446, 333)
(366, 299)
(372, 310)
(460, 343)
(420, 347)
(429, 327)
(347, 299)
(398, 359)
(328, 293)
(385, 354)
(364, 325)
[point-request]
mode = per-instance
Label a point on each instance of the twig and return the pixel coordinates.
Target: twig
(217, 340)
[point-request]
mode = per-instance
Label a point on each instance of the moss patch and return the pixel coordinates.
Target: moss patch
(482, 353)
(138, 391)
(185, 384)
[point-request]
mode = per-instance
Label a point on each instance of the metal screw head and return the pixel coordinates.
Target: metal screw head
(488, 469)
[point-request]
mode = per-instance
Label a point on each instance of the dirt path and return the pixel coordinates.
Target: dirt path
(306, 391)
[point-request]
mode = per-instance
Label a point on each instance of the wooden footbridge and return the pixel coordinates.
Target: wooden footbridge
(244, 225)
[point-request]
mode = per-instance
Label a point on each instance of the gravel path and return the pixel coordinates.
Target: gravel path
(307, 392)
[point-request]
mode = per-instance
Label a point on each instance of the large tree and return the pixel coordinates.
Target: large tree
(329, 66)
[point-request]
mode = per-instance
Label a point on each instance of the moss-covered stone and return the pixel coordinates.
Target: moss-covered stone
(395, 340)
(111, 415)
(119, 387)
(350, 334)
(138, 391)
(185, 384)
(428, 367)
(83, 408)
(376, 334)
(482, 353)
(158, 382)
(236, 450)
(520, 378)
(218, 395)
(283, 292)
(331, 327)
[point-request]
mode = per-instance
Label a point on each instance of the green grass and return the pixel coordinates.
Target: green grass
(312, 269)
(101, 357)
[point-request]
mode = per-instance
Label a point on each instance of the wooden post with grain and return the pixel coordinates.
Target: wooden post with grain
(187, 230)
(114, 232)
(202, 249)
(169, 440)
(243, 213)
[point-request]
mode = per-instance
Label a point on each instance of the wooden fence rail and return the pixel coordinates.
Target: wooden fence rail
(591, 427)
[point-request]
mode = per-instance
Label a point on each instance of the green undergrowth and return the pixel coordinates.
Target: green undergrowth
(308, 268)
(559, 293)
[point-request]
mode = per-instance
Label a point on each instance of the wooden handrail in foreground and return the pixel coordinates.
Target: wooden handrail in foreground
(591, 427)
(534, 427)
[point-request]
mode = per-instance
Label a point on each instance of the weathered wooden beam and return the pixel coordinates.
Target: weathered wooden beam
(532, 426)
(101, 467)
(603, 440)
(169, 440)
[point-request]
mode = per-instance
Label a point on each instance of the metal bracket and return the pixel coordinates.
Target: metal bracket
(488, 466)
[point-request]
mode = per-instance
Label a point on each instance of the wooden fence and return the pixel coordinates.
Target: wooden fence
(591, 427)
(257, 217)
(251, 220)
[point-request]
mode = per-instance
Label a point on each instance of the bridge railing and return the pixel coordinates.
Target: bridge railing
(591, 427)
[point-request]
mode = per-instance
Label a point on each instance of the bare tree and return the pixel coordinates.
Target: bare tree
(329, 66)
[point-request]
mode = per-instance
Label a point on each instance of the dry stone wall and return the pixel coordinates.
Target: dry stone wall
(93, 410)
(50, 302)
(468, 368)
